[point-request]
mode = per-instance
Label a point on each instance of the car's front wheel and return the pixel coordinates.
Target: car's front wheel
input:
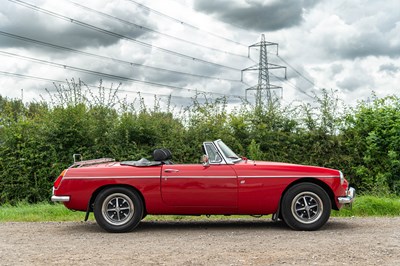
(118, 209)
(306, 206)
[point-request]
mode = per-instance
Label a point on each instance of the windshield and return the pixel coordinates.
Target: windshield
(228, 153)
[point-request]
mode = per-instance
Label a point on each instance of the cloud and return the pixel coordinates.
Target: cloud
(352, 46)
(366, 44)
(351, 83)
(390, 69)
(70, 33)
(357, 76)
(336, 69)
(257, 15)
(351, 34)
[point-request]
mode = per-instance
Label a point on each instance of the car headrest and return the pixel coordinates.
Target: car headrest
(162, 155)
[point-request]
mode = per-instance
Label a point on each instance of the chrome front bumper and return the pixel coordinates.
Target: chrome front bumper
(349, 198)
(59, 198)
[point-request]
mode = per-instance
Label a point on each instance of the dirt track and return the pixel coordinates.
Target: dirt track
(343, 241)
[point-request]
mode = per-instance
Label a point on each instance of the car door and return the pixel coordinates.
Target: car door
(197, 185)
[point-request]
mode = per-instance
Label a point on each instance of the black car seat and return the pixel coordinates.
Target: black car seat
(162, 155)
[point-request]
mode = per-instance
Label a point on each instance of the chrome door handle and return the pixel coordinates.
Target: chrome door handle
(171, 170)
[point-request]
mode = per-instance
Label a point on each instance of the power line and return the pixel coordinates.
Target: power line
(151, 30)
(301, 75)
(184, 23)
(30, 40)
(18, 75)
(293, 86)
(86, 71)
(116, 35)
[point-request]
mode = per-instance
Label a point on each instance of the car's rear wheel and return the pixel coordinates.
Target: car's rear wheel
(306, 206)
(118, 209)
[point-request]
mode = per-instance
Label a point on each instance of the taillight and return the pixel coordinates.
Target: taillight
(59, 178)
(341, 178)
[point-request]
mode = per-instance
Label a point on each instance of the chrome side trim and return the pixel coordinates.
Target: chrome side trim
(349, 198)
(287, 176)
(142, 177)
(60, 198)
(202, 177)
(105, 177)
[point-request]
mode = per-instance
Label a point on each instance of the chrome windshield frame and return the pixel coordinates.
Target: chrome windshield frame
(221, 149)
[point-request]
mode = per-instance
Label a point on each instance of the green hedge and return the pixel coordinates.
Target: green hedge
(37, 140)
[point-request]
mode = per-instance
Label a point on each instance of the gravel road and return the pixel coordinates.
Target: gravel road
(342, 241)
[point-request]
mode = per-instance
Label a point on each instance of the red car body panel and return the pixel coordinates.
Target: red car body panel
(81, 183)
(247, 187)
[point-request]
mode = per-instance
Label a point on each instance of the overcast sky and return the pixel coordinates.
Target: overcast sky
(179, 47)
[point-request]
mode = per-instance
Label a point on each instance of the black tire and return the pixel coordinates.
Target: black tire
(306, 206)
(118, 209)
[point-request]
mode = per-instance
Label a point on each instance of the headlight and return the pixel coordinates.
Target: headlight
(341, 177)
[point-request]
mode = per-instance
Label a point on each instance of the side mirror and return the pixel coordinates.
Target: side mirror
(205, 160)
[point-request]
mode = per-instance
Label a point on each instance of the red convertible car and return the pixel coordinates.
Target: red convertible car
(121, 194)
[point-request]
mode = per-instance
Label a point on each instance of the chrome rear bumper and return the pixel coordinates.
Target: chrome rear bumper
(60, 198)
(349, 198)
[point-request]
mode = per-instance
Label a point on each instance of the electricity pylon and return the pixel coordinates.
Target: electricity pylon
(263, 68)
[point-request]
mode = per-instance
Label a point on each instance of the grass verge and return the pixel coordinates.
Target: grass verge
(42, 212)
(371, 206)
